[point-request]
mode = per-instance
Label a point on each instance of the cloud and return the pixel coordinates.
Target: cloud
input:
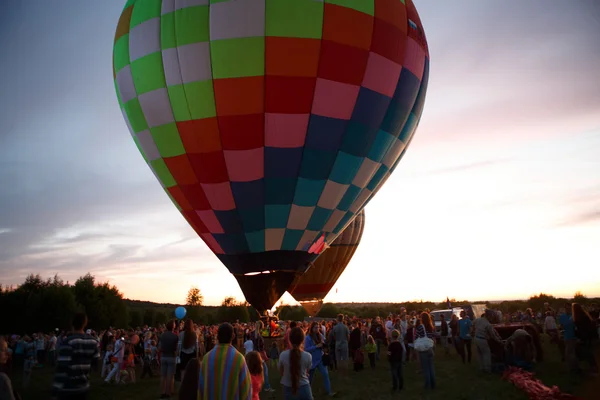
(467, 166)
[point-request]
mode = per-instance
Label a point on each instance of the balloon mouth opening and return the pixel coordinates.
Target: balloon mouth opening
(257, 273)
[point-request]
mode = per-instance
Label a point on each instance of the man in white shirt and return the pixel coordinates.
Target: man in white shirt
(118, 354)
(52, 349)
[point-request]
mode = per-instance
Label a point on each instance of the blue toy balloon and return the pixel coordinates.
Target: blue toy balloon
(180, 312)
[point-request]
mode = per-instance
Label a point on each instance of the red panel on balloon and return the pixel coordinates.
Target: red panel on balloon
(239, 96)
(195, 196)
(342, 63)
(209, 167)
(242, 132)
(200, 135)
(291, 56)
(347, 26)
(289, 95)
(181, 169)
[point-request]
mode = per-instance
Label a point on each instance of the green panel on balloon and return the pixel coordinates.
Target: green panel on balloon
(135, 115)
(121, 53)
(163, 173)
(365, 6)
(200, 99)
(191, 26)
(299, 19)
(145, 10)
(235, 58)
(148, 73)
(179, 103)
(167, 140)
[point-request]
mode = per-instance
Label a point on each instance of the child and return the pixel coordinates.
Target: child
(274, 355)
(255, 367)
(371, 349)
(153, 354)
(395, 358)
(107, 363)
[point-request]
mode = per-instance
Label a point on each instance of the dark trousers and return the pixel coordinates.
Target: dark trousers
(465, 344)
(372, 359)
(397, 377)
(379, 344)
(147, 368)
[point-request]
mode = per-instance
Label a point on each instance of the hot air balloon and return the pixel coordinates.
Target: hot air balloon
(311, 288)
(270, 124)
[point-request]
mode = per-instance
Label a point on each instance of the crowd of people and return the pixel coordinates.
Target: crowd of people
(232, 360)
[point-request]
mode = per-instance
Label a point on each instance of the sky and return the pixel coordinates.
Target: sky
(498, 196)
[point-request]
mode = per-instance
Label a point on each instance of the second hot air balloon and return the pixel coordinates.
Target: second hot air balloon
(270, 123)
(311, 288)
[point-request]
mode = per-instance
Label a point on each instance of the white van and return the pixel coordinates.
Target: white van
(447, 316)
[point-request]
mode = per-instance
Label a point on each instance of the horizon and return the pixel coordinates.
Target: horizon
(502, 179)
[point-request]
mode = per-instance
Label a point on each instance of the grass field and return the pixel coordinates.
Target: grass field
(454, 381)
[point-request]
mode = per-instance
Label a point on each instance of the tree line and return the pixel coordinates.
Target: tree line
(47, 304)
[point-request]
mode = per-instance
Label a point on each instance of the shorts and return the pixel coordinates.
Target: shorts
(341, 353)
(167, 366)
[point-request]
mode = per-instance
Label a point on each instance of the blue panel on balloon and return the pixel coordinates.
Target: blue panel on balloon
(402, 103)
(248, 194)
(282, 162)
(280, 190)
(358, 139)
(316, 164)
(325, 133)
(318, 219)
(379, 175)
(291, 238)
(409, 128)
(253, 219)
(230, 221)
(232, 243)
(256, 241)
(370, 108)
(349, 197)
(308, 192)
(343, 222)
(380, 146)
(345, 168)
(276, 216)
(420, 102)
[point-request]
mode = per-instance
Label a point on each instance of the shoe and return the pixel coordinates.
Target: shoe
(269, 390)
(332, 394)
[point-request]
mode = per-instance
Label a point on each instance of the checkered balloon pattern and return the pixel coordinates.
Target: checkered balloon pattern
(316, 283)
(270, 123)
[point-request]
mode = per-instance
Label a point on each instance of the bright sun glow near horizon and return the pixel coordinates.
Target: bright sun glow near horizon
(498, 196)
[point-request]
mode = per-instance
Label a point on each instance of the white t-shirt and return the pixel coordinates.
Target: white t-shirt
(305, 364)
(249, 346)
(52, 346)
(550, 323)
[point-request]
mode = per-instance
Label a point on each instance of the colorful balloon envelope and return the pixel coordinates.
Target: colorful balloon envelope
(311, 288)
(269, 123)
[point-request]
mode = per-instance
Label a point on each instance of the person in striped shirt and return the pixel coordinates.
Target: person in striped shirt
(75, 356)
(223, 371)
